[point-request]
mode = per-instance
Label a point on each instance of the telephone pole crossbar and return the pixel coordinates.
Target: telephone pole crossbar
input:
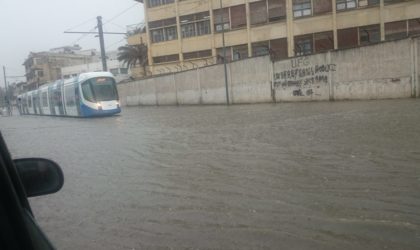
(100, 33)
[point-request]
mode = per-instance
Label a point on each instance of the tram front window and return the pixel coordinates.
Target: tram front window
(99, 89)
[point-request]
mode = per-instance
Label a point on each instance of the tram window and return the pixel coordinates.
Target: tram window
(104, 89)
(87, 92)
(57, 97)
(69, 94)
(44, 99)
(100, 89)
(51, 97)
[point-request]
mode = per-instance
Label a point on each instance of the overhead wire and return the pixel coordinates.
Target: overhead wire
(119, 14)
(111, 45)
(76, 26)
(106, 22)
(83, 36)
(117, 25)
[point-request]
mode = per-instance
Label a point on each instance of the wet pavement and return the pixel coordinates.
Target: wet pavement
(330, 175)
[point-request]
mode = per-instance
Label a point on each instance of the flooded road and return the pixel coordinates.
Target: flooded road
(343, 175)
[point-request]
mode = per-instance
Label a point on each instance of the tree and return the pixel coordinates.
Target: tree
(133, 55)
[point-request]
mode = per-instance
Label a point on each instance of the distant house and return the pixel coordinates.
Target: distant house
(44, 67)
(118, 69)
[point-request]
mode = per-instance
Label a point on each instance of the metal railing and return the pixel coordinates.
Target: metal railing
(134, 29)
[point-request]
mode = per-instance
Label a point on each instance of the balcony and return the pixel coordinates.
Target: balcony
(136, 34)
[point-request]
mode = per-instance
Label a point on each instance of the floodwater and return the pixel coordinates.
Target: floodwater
(328, 175)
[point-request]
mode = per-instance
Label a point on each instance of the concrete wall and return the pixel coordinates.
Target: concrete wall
(303, 78)
(372, 72)
(250, 82)
(385, 70)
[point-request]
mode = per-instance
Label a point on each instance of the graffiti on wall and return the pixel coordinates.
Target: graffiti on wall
(303, 77)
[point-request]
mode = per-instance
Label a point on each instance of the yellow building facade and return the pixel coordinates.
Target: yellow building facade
(185, 34)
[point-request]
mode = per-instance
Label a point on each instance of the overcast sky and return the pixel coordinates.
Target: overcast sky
(29, 25)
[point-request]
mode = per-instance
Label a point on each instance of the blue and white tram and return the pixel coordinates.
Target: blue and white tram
(87, 95)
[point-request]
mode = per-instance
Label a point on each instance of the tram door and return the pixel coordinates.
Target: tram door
(30, 102)
(39, 102)
(51, 100)
(77, 97)
(58, 94)
(35, 102)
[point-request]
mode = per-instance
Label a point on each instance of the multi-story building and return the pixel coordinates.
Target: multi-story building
(183, 34)
(44, 67)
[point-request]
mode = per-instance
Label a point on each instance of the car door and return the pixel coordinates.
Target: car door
(18, 229)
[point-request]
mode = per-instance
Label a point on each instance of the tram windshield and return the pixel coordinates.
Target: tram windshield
(99, 89)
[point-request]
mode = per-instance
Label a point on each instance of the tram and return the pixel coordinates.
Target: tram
(87, 95)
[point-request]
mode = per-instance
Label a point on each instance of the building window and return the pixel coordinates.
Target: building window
(393, 1)
(195, 25)
(220, 55)
(163, 30)
(302, 8)
(363, 3)
(221, 19)
(347, 38)
(40, 73)
(369, 34)
(303, 45)
(414, 26)
(260, 48)
(276, 10)
(395, 30)
(167, 58)
(240, 52)
(258, 12)
(123, 70)
(373, 2)
(278, 48)
(238, 16)
(197, 54)
(154, 3)
(324, 41)
(322, 6)
(346, 4)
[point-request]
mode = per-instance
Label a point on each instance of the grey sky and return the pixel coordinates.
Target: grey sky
(28, 25)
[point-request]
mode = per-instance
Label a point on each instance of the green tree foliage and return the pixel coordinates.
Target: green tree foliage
(133, 55)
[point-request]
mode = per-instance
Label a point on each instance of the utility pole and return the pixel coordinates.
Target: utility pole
(4, 75)
(5, 84)
(224, 55)
(100, 33)
(102, 43)
(6, 90)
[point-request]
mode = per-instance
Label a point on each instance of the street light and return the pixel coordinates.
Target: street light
(224, 55)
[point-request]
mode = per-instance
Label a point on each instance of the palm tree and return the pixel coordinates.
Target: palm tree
(133, 55)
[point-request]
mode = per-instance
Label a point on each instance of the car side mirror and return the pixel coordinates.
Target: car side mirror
(39, 176)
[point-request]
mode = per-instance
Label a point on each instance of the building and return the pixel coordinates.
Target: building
(44, 67)
(118, 69)
(184, 34)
